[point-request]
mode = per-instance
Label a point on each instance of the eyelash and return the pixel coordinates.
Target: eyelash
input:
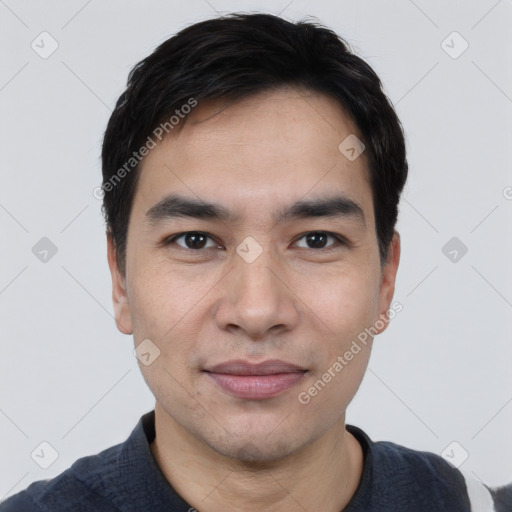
(339, 240)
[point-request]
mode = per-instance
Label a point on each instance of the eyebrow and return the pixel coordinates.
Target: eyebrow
(175, 206)
(332, 206)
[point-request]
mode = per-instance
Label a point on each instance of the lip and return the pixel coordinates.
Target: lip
(255, 381)
(241, 367)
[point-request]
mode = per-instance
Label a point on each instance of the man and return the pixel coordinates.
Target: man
(251, 174)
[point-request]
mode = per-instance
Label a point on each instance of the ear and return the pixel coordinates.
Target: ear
(387, 282)
(119, 298)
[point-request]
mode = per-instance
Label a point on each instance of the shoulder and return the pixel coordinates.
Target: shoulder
(439, 477)
(401, 461)
(423, 475)
(431, 479)
(78, 488)
(502, 497)
(411, 480)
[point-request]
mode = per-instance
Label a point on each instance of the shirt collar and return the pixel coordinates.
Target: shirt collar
(140, 484)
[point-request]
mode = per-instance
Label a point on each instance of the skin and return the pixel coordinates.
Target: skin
(296, 303)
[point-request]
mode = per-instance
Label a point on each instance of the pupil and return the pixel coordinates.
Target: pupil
(316, 240)
(195, 240)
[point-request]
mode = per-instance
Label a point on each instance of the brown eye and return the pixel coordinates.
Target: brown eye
(319, 240)
(194, 240)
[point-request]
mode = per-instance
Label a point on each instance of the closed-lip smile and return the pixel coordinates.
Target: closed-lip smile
(258, 381)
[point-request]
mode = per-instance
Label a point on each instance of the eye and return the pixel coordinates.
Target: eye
(319, 240)
(194, 240)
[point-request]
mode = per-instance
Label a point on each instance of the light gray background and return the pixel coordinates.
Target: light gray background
(442, 370)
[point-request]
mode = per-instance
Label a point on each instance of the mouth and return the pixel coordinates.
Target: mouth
(255, 381)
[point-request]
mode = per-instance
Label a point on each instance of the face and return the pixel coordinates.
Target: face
(277, 263)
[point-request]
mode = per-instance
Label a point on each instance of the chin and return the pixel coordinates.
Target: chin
(257, 451)
(264, 444)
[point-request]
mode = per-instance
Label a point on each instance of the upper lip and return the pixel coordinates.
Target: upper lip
(240, 367)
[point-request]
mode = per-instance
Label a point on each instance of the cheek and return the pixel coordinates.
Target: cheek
(344, 354)
(163, 297)
(328, 394)
(343, 302)
(168, 308)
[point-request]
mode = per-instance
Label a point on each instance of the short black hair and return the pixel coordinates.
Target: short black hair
(233, 57)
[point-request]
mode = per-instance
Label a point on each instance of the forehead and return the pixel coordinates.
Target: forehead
(270, 148)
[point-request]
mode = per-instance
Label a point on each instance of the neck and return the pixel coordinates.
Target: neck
(322, 476)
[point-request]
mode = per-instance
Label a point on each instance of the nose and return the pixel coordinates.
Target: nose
(256, 299)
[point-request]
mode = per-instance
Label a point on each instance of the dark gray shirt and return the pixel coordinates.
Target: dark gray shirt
(126, 478)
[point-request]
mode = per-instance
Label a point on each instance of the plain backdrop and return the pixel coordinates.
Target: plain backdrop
(440, 374)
